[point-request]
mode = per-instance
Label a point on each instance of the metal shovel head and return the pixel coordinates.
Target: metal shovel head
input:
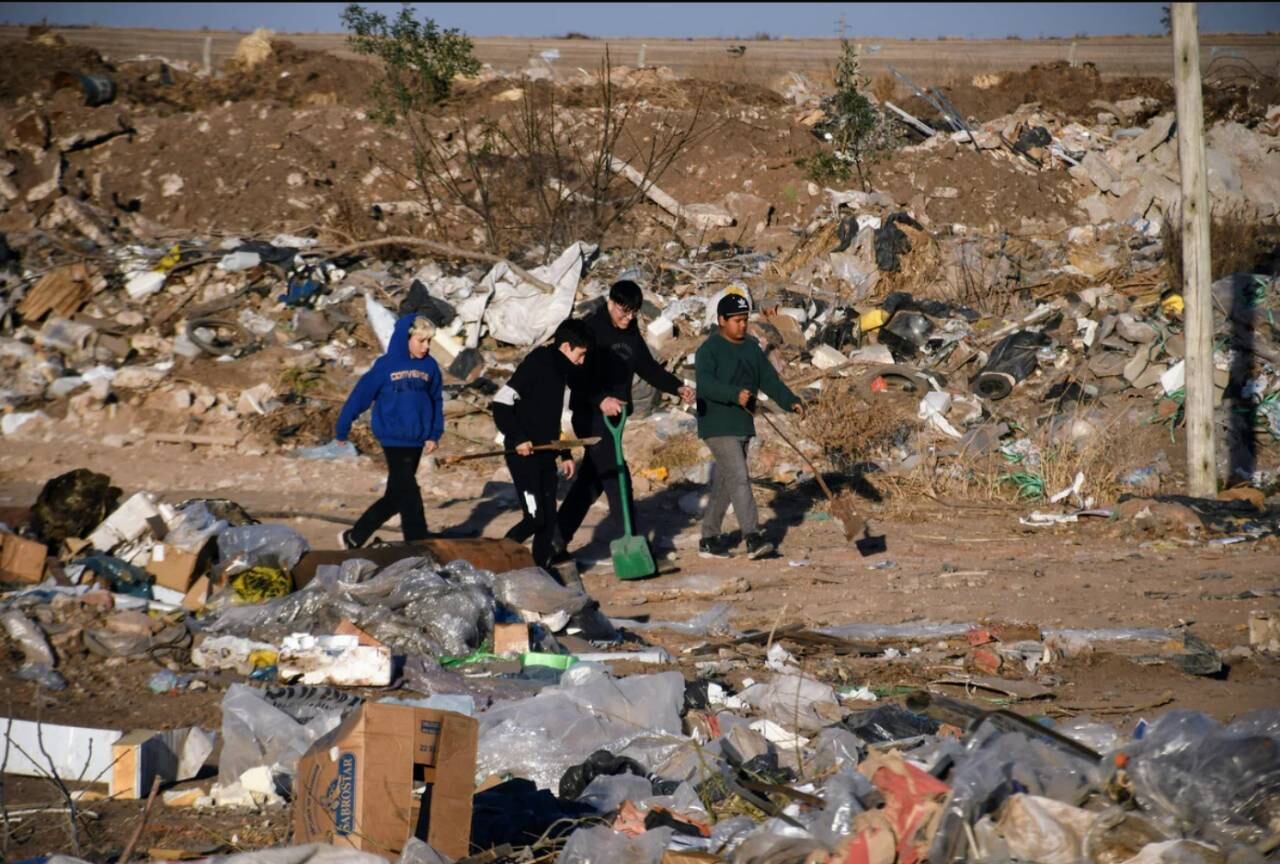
(631, 558)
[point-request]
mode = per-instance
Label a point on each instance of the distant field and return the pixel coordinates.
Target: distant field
(931, 61)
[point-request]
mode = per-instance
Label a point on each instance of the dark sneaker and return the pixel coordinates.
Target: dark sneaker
(714, 547)
(759, 546)
(345, 541)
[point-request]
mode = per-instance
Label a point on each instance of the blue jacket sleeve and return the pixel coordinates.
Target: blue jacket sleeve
(437, 406)
(366, 390)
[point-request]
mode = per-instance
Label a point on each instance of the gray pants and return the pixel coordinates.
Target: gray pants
(730, 482)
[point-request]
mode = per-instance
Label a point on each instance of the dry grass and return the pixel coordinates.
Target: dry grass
(883, 87)
(990, 481)
(678, 452)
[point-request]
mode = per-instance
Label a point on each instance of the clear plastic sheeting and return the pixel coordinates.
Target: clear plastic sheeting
(541, 737)
(1209, 780)
(257, 733)
(271, 545)
(603, 845)
(606, 793)
(713, 621)
(912, 630)
(408, 606)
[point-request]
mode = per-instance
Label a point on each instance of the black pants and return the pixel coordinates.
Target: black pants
(536, 480)
(597, 473)
(402, 496)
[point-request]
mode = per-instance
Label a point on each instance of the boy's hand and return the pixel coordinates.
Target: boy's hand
(687, 394)
(566, 468)
(744, 396)
(798, 408)
(611, 407)
(430, 447)
(525, 448)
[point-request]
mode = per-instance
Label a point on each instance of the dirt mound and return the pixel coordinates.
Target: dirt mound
(1059, 88)
(32, 66)
(297, 77)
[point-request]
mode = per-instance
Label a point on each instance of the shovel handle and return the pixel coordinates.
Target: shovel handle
(817, 475)
(615, 429)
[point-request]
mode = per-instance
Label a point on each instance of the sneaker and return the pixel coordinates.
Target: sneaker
(714, 547)
(759, 546)
(345, 541)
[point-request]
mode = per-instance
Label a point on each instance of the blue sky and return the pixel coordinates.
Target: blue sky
(921, 20)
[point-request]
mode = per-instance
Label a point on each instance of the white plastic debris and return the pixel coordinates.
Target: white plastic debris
(238, 261)
(381, 320)
(143, 284)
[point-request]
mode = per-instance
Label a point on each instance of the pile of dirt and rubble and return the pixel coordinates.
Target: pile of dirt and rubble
(1058, 88)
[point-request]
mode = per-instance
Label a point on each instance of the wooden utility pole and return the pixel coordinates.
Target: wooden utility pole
(1202, 472)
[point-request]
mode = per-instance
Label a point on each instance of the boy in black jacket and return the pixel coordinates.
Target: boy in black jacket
(527, 413)
(603, 387)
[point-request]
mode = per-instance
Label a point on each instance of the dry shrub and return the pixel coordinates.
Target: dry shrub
(883, 87)
(849, 430)
(678, 452)
(1238, 243)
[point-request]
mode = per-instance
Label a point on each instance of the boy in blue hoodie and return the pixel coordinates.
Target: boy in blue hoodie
(404, 387)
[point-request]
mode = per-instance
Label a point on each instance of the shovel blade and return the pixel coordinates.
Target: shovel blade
(631, 558)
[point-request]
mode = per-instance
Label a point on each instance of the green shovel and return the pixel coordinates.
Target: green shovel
(631, 556)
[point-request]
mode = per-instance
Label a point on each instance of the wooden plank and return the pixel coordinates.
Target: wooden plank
(1202, 471)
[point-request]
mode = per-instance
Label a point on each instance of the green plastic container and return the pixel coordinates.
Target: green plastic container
(553, 661)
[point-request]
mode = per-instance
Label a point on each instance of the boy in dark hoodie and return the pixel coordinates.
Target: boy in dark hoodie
(527, 413)
(404, 388)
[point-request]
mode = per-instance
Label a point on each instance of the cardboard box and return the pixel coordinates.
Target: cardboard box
(21, 560)
(354, 786)
(173, 568)
(198, 595)
(509, 639)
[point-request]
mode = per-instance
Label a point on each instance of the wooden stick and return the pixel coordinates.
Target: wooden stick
(137, 832)
(442, 249)
(558, 445)
(919, 125)
(1202, 473)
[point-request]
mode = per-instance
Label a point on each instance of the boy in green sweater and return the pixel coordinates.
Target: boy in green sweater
(731, 370)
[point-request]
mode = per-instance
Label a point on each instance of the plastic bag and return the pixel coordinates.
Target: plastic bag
(1202, 778)
(834, 748)
(531, 589)
(332, 450)
(996, 765)
(272, 545)
(602, 845)
(417, 852)
(1031, 828)
(37, 656)
(792, 701)
(192, 526)
(845, 795)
